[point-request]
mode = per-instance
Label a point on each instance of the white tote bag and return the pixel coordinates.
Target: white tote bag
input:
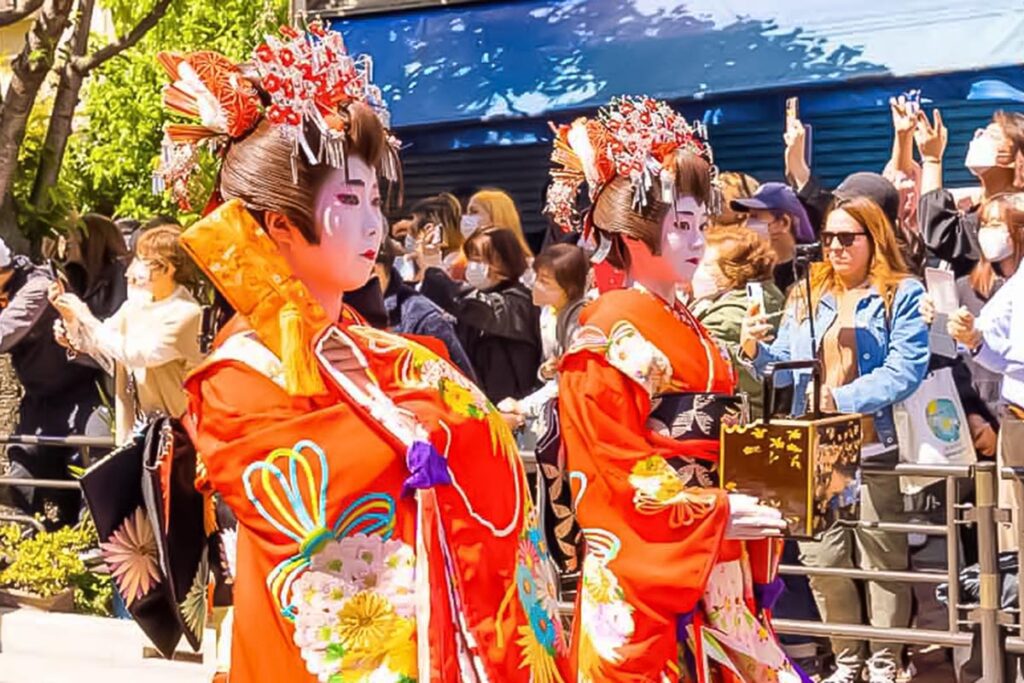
(932, 429)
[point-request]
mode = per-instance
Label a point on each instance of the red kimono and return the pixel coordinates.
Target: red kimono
(385, 529)
(657, 572)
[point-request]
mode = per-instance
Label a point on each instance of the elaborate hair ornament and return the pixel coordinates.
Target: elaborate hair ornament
(308, 77)
(633, 137)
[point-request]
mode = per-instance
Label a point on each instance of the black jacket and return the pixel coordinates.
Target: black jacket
(26, 332)
(500, 330)
(409, 312)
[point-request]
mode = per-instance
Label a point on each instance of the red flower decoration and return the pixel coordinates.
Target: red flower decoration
(264, 53)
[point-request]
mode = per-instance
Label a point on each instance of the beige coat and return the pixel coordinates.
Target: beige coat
(156, 343)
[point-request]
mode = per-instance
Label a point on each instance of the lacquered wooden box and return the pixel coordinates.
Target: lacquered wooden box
(803, 467)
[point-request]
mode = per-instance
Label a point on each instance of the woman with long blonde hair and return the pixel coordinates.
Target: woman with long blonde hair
(494, 207)
(873, 344)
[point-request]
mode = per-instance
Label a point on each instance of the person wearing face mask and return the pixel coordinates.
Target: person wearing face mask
(151, 342)
(497, 322)
(1001, 242)
(492, 207)
(733, 258)
(873, 344)
(994, 156)
(775, 213)
(559, 285)
(663, 548)
(409, 312)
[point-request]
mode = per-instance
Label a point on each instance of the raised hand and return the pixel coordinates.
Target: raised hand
(795, 138)
(904, 119)
(931, 138)
(755, 328)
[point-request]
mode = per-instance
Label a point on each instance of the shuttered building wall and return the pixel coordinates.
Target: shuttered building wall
(843, 143)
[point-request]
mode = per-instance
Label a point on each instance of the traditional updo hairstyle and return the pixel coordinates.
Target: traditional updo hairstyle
(615, 217)
(258, 168)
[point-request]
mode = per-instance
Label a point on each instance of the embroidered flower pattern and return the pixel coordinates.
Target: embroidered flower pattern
(606, 618)
(745, 645)
(131, 555)
(193, 608)
(543, 639)
(355, 611)
(418, 367)
(657, 486)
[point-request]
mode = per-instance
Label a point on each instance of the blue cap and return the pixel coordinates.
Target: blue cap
(779, 198)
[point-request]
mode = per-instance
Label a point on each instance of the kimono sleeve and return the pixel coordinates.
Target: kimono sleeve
(239, 418)
(670, 535)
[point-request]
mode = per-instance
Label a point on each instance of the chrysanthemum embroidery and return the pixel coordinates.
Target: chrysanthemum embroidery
(350, 587)
(656, 486)
(542, 640)
(629, 352)
(131, 555)
(193, 608)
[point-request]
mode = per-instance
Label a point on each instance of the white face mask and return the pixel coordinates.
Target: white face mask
(758, 226)
(982, 154)
(409, 243)
(406, 267)
(469, 224)
(703, 283)
(529, 278)
(995, 243)
(139, 274)
(478, 275)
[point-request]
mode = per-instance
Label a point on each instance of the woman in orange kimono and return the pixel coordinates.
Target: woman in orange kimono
(385, 528)
(667, 590)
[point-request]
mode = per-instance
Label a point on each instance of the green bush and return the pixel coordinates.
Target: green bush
(49, 563)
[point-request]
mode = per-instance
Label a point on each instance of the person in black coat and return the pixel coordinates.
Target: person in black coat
(59, 394)
(498, 325)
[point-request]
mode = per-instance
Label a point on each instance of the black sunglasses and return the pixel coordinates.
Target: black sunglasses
(846, 239)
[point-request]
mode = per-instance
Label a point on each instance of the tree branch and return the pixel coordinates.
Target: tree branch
(84, 65)
(13, 16)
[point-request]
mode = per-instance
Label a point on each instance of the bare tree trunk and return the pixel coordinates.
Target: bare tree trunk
(64, 104)
(72, 76)
(29, 71)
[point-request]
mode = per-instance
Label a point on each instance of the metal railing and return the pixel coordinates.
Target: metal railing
(985, 616)
(1015, 643)
(85, 445)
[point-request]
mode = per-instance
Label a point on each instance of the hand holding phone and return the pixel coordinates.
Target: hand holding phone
(755, 295)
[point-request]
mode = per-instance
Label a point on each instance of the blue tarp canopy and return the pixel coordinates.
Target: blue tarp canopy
(534, 58)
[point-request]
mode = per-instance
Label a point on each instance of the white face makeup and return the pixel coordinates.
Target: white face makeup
(350, 223)
(682, 238)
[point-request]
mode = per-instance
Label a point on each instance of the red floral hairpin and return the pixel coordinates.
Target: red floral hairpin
(309, 77)
(633, 137)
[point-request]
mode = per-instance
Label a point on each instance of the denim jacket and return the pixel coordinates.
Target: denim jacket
(892, 354)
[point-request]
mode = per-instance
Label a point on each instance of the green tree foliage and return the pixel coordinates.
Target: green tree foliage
(114, 152)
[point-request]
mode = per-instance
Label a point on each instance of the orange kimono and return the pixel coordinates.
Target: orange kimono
(385, 529)
(663, 596)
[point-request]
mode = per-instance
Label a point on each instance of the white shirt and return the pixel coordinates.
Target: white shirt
(1001, 323)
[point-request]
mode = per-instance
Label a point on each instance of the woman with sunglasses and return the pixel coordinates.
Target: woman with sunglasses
(873, 343)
